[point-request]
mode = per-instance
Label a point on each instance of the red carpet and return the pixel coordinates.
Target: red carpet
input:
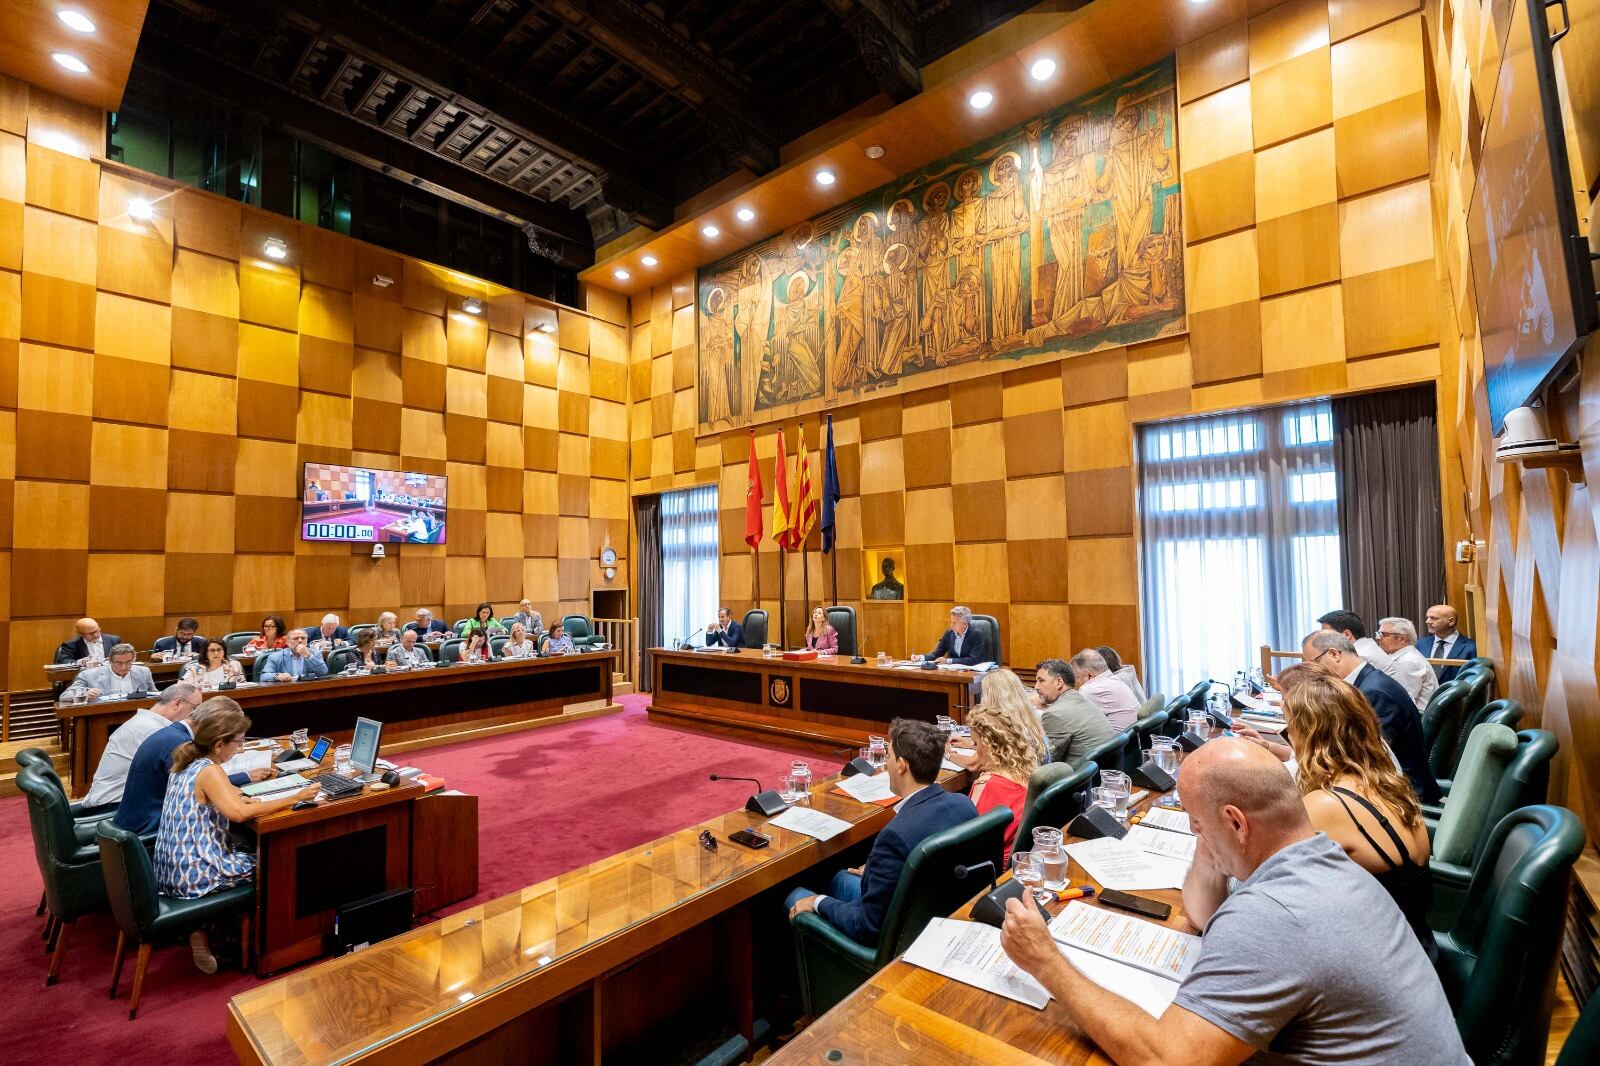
(549, 800)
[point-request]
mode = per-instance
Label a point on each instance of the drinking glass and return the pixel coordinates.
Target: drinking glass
(917, 657)
(880, 751)
(341, 759)
(1051, 859)
(798, 783)
(946, 725)
(883, 658)
(299, 737)
(1025, 868)
(866, 757)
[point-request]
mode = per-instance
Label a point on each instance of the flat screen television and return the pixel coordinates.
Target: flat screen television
(365, 506)
(1530, 269)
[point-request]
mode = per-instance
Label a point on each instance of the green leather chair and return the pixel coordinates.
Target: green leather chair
(39, 759)
(144, 915)
(1054, 798)
(1143, 730)
(1523, 782)
(832, 965)
(235, 642)
(1480, 685)
(450, 650)
(1110, 754)
(1583, 1043)
(1442, 721)
(69, 862)
(1454, 827)
(356, 630)
(1497, 961)
(581, 630)
(496, 643)
(1503, 712)
(455, 627)
(1497, 708)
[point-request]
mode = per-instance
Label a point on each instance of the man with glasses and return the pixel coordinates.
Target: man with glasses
(1335, 654)
(146, 787)
(112, 774)
(295, 661)
(90, 647)
(120, 676)
(1398, 638)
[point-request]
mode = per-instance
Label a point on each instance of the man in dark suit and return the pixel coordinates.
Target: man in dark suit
(330, 634)
(962, 644)
(145, 790)
(186, 639)
(725, 631)
(857, 900)
(426, 624)
(1443, 641)
(90, 644)
(1336, 654)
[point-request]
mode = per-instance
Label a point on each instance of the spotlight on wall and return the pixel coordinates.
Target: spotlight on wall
(710, 230)
(980, 100)
(141, 210)
(649, 260)
(744, 214)
(382, 281)
(620, 274)
(546, 327)
(76, 21)
(70, 62)
(472, 305)
(1042, 69)
(825, 177)
(873, 151)
(273, 248)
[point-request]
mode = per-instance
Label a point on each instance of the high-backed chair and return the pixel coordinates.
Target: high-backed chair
(1497, 960)
(1583, 1043)
(581, 630)
(69, 862)
(1503, 712)
(339, 658)
(357, 630)
(1480, 685)
(1155, 703)
(450, 650)
(1499, 709)
(832, 965)
(989, 626)
(497, 643)
(843, 621)
(1109, 755)
(40, 761)
(235, 642)
(456, 626)
(1442, 721)
(755, 628)
(1055, 797)
(144, 915)
(1455, 827)
(1143, 730)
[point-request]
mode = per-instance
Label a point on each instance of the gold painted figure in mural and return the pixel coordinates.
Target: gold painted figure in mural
(936, 332)
(966, 233)
(796, 370)
(716, 357)
(845, 353)
(1005, 218)
(752, 319)
(1067, 190)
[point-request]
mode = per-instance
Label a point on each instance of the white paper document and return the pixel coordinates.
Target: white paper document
(810, 823)
(254, 759)
(970, 952)
(1149, 993)
(1156, 949)
(868, 788)
(1178, 846)
(1163, 818)
(1123, 865)
(949, 765)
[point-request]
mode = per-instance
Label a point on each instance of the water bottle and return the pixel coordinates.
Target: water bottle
(799, 782)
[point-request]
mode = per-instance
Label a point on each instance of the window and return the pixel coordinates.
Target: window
(1240, 538)
(689, 561)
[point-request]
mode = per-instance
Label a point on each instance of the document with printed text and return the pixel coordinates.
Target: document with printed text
(868, 788)
(1178, 846)
(1162, 818)
(1156, 949)
(1123, 865)
(970, 952)
(810, 823)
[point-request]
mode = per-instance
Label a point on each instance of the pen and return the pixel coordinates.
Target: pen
(1081, 892)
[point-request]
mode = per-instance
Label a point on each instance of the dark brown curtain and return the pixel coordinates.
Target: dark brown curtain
(647, 520)
(1391, 532)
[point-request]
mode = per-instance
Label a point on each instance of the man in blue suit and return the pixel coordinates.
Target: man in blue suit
(294, 662)
(857, 900)
(961, 643)
(1443, 641)
(1336, 654)
(726, 631)
(426, 625)
(186, 640)
(145, 790)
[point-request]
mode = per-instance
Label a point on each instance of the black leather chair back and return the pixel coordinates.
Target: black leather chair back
(928, 887)
(235, 642)
(1442, 721)
(71, 875)
(1480, 686)
(989, 626)
(339, 658)
(130, 879)
(356, 631)
(1583, 1043)
(1503, 712)
(1109, 755)
(1473, 719)
(496, 643)
(755, 628)
(1054, 805)
(40, 761)
(843, 620)
(450, 650)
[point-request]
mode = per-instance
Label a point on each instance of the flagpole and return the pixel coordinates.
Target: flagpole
(783, 597)
(805, 582)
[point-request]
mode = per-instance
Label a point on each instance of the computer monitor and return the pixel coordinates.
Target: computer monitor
(364, 748)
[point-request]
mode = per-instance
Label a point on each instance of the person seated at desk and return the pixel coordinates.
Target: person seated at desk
(559, 643)
(519, 646)
(532, 621)
(427, 626)
(1352, 790)
(90, 647)
(118, 677)
(366, 645)
(1122, 671)
(1405, 671)
(184, 641)
(294, 661)
(820, 636)
(1443, 641)
(329, 635)
(271, 637)
(1009, 699)
(405, 654)
(476, 649)
(1307, 960)
(857, 900)
(482, 621)
(724, 632)
(213, 668)
(1335, 654)
(194, 854)
(1007, 746)
(388, 630)
(961, 644)
(146, 788)
(1104, 689)
(1398, 639)
(1072, 725)
(174, 703)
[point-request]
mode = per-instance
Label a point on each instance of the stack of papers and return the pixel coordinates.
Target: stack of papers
(1166, 818)
(274, 787)
(869, 788)
(810, 823)
(1178, 846)
(253, 759)
(970, 952)
(1125, 866)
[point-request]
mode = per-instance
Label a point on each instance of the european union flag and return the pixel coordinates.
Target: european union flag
(830, 491)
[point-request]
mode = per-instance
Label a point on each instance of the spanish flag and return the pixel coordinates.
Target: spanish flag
(780, 497)
(752, 498)
(805, 500)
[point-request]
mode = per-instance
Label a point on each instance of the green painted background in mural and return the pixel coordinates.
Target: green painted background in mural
(1061, 235)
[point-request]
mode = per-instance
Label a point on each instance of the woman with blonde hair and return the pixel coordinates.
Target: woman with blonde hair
(820, 635)
(1008, 744)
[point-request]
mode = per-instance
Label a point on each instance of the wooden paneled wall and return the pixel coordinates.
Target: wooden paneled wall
(1303, 139)
(161, 384)
(1540, 574)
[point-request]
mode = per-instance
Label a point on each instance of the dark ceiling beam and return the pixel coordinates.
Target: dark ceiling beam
(478, 142)
(527, 18)
(527, 164)
(450, 129)
(389, 152)
(886, 42)
(334, 76)
(398, 101)
(367, 88)
(425, 116)
(532, 62)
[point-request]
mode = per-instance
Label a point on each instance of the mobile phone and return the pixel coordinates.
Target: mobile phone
(1150, 908)
(749, 838)
(321, 749)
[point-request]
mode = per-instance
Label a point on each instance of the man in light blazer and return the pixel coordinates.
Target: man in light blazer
(120, 675)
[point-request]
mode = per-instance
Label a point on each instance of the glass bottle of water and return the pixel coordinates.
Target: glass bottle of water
(799, 781)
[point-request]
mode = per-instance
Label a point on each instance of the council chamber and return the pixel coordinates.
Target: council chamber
(800, 531)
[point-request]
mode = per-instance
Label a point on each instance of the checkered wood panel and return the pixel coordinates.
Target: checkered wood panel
(1311, 272)
(162, 383)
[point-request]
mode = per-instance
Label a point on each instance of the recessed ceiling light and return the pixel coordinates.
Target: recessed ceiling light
(874, 151)
(1042, 69)
(980, 99)
(75, 20)
(620, 274)
(710, 230)
(744, 214)
(70, 62)
(649, 260)
(472, 305)
(273, 248)
(825, 177)
(141, 209)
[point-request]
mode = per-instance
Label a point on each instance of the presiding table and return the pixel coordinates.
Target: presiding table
(416, 706)
(826, 702)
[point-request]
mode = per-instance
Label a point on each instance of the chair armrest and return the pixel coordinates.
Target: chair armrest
(1450, 881)
(82, 812)
(831, 964)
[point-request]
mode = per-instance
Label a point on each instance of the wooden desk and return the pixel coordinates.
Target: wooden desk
(60, 675)
(906, 1007)
(569, 971)
(826, 702)
(416, 706)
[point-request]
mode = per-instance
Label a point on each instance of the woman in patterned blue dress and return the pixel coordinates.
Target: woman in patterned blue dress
(194, 854)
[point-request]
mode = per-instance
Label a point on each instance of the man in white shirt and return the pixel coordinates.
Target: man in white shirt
(1104, 689)
(120, 676)
(1398, 638)
(174, 704)
(1355, 630)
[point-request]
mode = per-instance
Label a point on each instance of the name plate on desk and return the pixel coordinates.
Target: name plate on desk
(800, 655)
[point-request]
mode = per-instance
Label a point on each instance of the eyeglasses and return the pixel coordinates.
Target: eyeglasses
(708, 841)
(1383, 636)
(1325, 651)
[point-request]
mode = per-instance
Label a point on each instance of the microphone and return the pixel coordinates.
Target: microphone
(684, 643)
(991, 906)
(963, 872)
(853, 763)
(861, 643)
(764, 801)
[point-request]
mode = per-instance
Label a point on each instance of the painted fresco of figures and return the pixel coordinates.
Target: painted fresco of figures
(1062, 235)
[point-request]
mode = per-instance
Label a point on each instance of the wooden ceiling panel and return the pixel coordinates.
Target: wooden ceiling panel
(33, 32)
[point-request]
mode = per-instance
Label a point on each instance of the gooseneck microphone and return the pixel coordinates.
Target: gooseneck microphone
(963, 872)
(725, 777)
(684, 644)
(861, 645)
(764, 802)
